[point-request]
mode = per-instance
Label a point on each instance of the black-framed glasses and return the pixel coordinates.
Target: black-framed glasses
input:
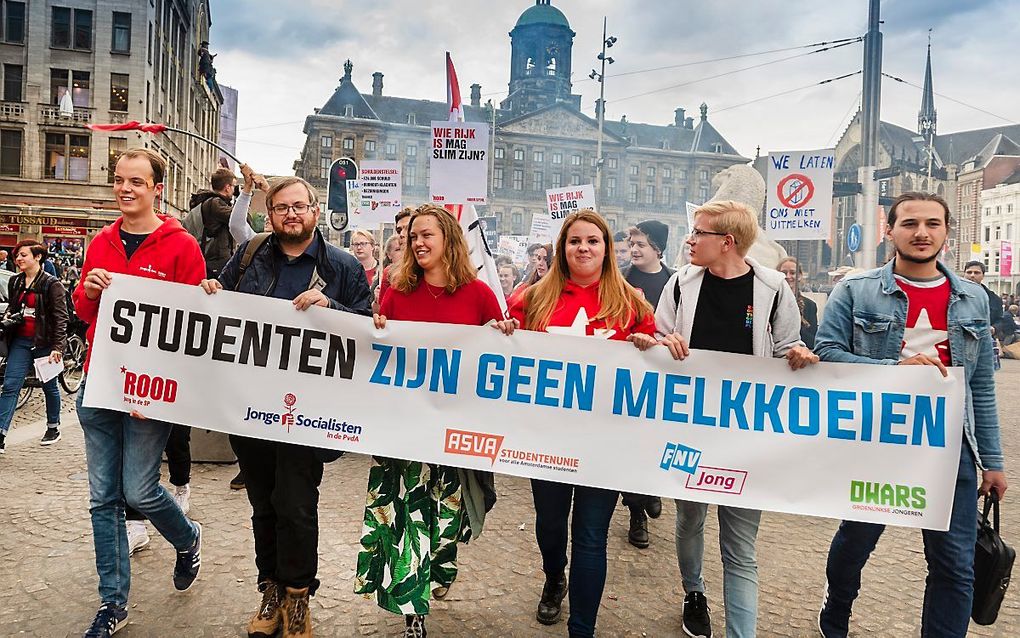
(283, 209)
(698, 234)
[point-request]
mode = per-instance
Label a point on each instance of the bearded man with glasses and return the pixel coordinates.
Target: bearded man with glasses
(293, 262)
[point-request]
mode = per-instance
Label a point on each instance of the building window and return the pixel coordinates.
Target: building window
(326, 141)
(650, 194)
(681, 174)
(575, 179)
(497, 178)
(667, 195)
(117, 147)
(612, 162)
(348, 110)
(78, 82)
(348, 144)
(411, 119)
(717, 148)
(391, 148)
(537, 181)
(518, 179)
(557, 158)
(67, 157)
(575, 160)
(517, 220)
(632, 194)
(518, 154)
(667, 173)
(148, 50)
(13, 78)
(369, 146)
(611, 187)
(10, 152)
(703, 192)
(500, 152)
(410, 175)
(703, 175)
(539, 156)
(634, 170)
(412, 150)
(119, 92)
(12, 29)
(324, 164)
(557, 180)
(651, 172)
(62, 36)
(121, 32)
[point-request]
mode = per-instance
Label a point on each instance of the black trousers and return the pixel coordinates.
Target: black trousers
(178, 460)
(282, 481)
(635, 501)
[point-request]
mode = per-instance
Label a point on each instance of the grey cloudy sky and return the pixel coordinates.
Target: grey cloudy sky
(286, 59)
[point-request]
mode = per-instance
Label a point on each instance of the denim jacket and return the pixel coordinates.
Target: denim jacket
(864, 320)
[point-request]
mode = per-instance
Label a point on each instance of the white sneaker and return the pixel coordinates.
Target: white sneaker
(182, 496)
(137, 536)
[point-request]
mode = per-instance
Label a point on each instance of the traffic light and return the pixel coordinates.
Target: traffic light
(340, 171)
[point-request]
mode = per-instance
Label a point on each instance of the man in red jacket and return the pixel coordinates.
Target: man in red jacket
(123, 451)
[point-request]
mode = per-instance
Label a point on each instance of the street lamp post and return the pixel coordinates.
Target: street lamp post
(600, 76)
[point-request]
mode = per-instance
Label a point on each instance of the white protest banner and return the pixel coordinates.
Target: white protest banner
(380, 193)
(541, 229)
(799, 194)
(459, 164)
(690, 208)
(848, 441)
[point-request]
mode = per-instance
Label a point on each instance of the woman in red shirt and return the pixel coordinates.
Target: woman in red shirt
(414, 516)
(583, 294)
(364, 250)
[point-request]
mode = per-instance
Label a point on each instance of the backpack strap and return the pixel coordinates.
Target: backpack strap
(249, 254)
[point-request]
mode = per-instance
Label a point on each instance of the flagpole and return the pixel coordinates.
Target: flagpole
(158, 128)
(207, 141)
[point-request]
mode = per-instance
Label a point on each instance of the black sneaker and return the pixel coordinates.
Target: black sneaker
(237, 483)
(697, 622)
(52, 436)
(638, 535)
(833, 622)
(108, 620)
(3, 443)
(549, 607)
(189, 561)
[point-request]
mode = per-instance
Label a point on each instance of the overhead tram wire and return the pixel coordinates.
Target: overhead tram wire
(946, 97)
(857, 103)
(732, 72)
(775, 95)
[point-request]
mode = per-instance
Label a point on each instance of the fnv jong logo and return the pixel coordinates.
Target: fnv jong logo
(473, 444)
(680, 457)
(143, 389)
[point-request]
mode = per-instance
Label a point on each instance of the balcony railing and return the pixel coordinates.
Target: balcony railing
(12, 111)
(118, 117)
(49, 114)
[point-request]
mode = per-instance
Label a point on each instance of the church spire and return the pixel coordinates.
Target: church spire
(926, 118)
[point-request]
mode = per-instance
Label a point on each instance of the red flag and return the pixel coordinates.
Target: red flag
(453, 92)
(128, 126)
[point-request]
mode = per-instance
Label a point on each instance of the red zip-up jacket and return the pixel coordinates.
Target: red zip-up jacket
(570, 303)
(170, 253)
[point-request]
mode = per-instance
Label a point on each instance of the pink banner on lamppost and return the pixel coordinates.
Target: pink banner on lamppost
(1005, 259)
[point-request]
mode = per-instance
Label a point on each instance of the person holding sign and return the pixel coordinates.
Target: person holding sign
(409, 553)
(915, 311)
(583, 294)
(726, 301)
(123, 451)
(38, 299)
(295, 263)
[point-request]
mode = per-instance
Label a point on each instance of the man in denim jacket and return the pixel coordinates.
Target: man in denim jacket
(914, 311)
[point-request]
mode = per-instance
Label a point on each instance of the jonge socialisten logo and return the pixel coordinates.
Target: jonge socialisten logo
(334, 428)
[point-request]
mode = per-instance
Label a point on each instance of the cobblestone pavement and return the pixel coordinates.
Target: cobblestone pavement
(47, 568)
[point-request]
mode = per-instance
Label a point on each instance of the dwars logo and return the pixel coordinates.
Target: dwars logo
(680, 457)
(143, 389)
(473, 444)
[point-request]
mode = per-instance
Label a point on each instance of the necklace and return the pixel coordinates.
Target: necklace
(435, 296)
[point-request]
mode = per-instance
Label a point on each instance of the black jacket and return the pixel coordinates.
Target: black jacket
(50, 309)
(217, 244)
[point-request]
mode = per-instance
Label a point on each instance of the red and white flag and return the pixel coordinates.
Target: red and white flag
(481, 253)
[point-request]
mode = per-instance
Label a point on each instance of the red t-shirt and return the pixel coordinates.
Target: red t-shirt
(370, 274)
(927, 330)
(572, 312)
(473, 304)
(27, 329)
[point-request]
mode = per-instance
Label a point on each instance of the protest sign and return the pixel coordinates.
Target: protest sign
(799, 195)
(380, 194)
(515, 247)
(459, 164)
(560, 202)
(848, 441)
(490, 229)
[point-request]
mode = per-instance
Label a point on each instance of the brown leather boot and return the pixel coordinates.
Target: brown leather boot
(266, 621)
(297, 619)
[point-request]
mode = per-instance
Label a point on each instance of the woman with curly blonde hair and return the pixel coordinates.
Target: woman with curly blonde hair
(416, 512)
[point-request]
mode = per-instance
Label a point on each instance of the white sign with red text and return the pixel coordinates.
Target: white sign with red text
(459, 163)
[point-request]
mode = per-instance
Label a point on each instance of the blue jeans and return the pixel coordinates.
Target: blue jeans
(20, 360)
(589, 533)
(949, 587)
(738, 530)
(123, 456)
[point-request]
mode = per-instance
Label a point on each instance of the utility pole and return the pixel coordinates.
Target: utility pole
(607, 42)
(867, 201)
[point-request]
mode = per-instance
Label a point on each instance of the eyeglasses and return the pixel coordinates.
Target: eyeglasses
(360, 244)
(283, 209)
(697, 234)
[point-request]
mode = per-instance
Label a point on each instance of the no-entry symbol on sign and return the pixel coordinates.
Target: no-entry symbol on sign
(795, 190)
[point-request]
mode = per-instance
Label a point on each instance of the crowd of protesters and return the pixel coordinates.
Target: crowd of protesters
(416, 514)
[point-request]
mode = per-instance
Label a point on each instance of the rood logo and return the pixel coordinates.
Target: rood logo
(149, 387)
(473, 444)
(717, 479)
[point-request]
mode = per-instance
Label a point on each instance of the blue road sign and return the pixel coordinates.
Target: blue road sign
(853, 238)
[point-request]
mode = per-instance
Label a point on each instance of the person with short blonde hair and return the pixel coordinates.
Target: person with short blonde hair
(364, 249)
(734, 219)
